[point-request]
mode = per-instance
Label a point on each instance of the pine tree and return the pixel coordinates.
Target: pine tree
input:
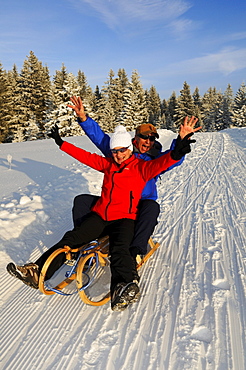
(13, 76)
(126, 117)
(64, 86)
(5, 104)
(138, 103)
(172, 106)
(185, 107)
(108, 108)
(207, 105)
(239, 107)
(210, 108)
(164, 107)
(154, 106)
(224, 119)
(86, 94)
(121, 83)
(30, 101)
(97, 103)
(198, 106)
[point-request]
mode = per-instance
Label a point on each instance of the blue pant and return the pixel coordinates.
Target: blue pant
(148, 212)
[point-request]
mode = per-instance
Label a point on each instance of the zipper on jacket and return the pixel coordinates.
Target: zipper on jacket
(110, 197)
(131, 199)
(111, 191)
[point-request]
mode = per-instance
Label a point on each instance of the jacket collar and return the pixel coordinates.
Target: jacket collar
(153, 152)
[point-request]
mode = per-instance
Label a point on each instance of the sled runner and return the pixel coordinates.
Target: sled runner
(84, 266)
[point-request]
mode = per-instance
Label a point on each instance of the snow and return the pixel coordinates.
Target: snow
(191, 314)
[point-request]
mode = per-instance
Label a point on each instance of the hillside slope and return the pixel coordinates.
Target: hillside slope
(192, 311)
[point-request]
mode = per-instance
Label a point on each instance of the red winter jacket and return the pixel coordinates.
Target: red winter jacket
(122, 184)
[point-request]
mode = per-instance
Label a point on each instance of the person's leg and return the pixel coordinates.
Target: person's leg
(90, 229)
(124, 290)
(120, 236)
(148, 212)
(82, 205)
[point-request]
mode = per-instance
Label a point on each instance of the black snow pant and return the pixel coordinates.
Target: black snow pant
(148, 212)
(120, 236)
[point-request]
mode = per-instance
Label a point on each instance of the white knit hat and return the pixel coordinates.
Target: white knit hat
(121, 138)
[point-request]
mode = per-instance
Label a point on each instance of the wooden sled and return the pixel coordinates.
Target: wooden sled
(92, 255)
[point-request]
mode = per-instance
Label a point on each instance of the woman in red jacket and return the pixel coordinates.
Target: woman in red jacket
(114, 213)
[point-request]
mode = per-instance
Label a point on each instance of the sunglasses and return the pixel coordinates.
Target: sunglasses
(121, 150)
(146, 137)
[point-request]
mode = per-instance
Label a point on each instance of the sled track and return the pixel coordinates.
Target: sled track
(198, 164)
(191, 311)
(218, 271)
(206, 182)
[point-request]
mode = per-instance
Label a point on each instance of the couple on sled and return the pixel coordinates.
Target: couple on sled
(127, 210)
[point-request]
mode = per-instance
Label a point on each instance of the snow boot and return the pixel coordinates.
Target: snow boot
(28, 274)
(123, 295)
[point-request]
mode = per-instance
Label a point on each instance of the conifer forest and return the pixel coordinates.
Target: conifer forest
(31, 102)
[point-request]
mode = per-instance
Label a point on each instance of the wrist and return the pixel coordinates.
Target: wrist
(83, 117)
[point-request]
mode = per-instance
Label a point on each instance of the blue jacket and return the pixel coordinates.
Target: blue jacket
(101, 140)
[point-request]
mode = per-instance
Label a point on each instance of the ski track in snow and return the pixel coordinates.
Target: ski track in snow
(191, 314)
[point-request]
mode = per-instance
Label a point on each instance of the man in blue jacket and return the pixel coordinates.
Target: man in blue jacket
(146, 147)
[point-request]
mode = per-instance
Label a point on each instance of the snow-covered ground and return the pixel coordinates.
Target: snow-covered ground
(191, 314)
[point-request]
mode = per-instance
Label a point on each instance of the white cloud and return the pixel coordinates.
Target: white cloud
(117, 12)
(181, 27)
(226, 61)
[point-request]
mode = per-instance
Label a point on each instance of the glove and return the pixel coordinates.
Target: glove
(54, 133)
(182, 147)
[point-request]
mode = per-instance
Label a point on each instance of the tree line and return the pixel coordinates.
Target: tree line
(31, 102)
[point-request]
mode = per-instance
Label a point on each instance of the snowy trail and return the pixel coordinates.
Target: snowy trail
(192, 310)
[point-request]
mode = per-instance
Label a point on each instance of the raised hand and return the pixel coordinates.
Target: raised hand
(78, 107)
(54, 133)
(188, 126)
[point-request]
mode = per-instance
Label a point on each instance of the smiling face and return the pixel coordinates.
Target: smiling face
(121, 154)
(144, 145)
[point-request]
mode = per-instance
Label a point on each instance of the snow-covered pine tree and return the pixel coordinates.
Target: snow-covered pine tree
(19, 135)
(113, 92)
(164, 107)
(12, 76)
(185, 106)
(5, 104)
(121, 81)
(198, 105)
(86, 93)
(224, 118)
(107, 112)
(216, 112)
(97, 104)
(31, 94)
(32, 131)
(107, 121)
(64, 86)
(210, 109)
(153, 103)
(48, 101)
(134, 110)
(138, 103)
(172, 105)
(239, 107)
(126, 117)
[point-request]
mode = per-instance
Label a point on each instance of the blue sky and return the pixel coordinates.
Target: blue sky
(202, 42)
